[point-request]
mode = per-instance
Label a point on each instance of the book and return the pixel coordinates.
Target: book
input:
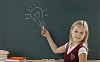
(2, 61)
(16, 59)
(12, 60)
(3, 52)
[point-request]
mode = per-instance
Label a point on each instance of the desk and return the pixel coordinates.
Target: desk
(57, 61)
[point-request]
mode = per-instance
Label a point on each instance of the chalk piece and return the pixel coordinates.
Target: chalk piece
(42, 27)
(61, 59)
(44, 59)
(51, 59)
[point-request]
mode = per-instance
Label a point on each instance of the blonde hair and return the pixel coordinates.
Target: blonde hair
(85, 25)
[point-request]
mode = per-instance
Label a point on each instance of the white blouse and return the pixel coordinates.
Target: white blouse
(81, 50)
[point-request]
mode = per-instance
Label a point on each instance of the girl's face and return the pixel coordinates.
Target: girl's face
(78, 33)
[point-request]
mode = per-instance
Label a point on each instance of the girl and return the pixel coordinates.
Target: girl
(76, 49)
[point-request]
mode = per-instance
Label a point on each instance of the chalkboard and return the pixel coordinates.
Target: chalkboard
(21, 37)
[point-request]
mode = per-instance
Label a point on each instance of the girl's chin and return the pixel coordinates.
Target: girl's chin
(77, 40)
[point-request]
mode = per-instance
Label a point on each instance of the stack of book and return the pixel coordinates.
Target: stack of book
(3, 55)
(16, 59)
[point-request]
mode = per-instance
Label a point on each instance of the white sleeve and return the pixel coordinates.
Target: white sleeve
(82, 50)
(66, 45)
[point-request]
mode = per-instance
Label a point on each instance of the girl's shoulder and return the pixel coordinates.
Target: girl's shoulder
(83, 46)
(83, 49)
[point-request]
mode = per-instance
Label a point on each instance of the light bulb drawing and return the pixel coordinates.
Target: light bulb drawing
(37, 14)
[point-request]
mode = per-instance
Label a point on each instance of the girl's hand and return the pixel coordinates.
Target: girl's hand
(45, 33)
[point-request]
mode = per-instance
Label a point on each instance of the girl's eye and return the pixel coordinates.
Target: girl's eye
(82, 33)
(75, 31)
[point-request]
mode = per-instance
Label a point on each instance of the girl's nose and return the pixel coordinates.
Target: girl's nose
(78, 34)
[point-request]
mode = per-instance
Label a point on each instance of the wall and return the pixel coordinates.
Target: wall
(21, 37)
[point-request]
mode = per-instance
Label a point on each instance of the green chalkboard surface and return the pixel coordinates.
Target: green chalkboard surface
(22, 37)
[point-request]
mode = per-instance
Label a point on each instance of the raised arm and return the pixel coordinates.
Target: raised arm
(53, 46)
